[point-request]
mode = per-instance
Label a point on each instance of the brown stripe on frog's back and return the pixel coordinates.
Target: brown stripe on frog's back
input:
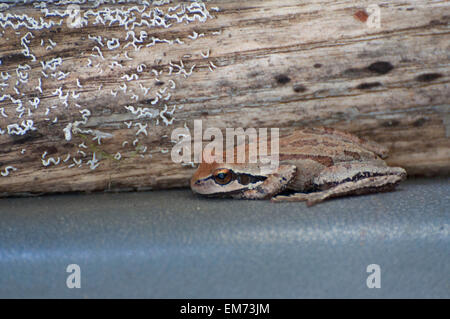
(354, 155)
(324, 160)
(335, 134)
(360, 153)
(332, 138)
(313, 142)
(299, 141)
(304, 142)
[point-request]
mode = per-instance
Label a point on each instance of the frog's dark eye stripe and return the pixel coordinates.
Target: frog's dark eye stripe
(246, 179)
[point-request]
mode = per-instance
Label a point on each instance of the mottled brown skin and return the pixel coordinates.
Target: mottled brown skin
(318, 163)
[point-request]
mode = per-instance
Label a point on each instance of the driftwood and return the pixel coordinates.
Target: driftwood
(115, 81)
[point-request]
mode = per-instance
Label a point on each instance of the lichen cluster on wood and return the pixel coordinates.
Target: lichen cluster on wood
(91, 91)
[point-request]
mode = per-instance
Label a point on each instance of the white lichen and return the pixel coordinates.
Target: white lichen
(7, 169)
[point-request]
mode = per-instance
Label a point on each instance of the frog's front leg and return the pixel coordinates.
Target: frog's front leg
(350, 179)
(272, 185)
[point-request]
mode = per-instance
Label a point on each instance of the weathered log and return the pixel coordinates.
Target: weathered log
(114, 80)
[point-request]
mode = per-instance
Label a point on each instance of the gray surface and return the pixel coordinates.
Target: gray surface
(174, 244)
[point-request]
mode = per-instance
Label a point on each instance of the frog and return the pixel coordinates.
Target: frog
(315, 164)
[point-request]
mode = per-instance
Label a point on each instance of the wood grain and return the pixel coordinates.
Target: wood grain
(283, 64)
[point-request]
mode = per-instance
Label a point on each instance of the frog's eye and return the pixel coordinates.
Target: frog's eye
(223, 176)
